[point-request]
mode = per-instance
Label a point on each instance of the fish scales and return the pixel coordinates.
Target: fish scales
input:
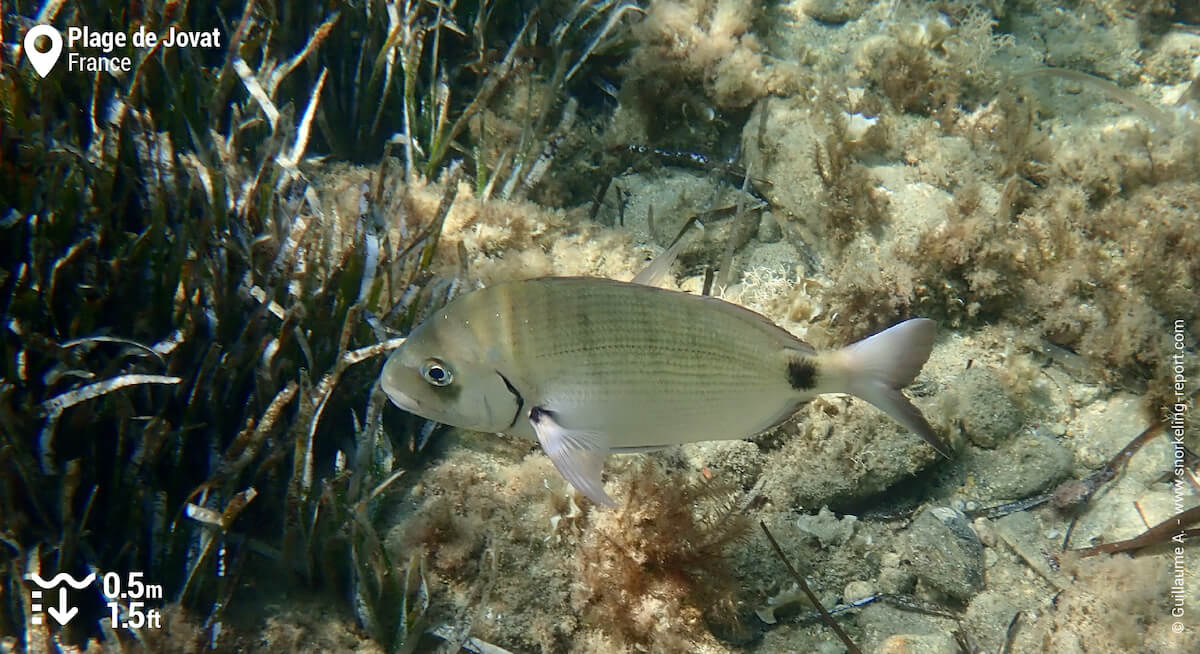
(629, 321)
(628, 347)
(591, 366)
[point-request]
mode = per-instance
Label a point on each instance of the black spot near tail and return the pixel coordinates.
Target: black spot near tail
(802, 374)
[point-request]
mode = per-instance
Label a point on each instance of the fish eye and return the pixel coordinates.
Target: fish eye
(435, 372)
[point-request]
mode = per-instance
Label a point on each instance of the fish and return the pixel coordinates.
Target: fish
(589, 366)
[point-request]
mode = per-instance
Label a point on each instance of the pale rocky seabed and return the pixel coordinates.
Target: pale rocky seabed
(1027, 174)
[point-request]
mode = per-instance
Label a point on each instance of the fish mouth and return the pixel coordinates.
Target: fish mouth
(401, 400)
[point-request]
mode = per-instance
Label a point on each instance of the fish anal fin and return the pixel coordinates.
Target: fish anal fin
(578, 455)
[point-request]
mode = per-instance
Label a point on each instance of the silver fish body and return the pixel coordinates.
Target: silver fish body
(589, 366)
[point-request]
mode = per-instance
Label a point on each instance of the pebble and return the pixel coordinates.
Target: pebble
(769, 230)
(987, 616)
(896, 581)
(1025, 466)
(857, 590)
(945, 552)
(983, 529)
(985, 409)
(827, 528)
(835, 11)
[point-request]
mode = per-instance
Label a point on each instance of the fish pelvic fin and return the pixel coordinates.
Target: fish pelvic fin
(877, 367)
(578, 455)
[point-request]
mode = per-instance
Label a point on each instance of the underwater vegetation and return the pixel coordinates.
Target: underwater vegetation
(194, 310)
(657, 566)
(204, 263)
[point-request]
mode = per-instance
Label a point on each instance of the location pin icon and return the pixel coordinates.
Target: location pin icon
(43, 62)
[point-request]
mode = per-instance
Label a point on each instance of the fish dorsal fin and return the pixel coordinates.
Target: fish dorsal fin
(578, 455)
(656, 272)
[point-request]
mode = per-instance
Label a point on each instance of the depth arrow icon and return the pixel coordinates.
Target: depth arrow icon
(63, 613)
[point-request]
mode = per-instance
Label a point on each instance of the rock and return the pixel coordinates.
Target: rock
(739, 462)
(835, 11)
(782, 149)
(857, 590)
(941, 643)
(769, 230)
(988, 616)
(945, 552)
(893, 577)
(985, 409)
(838, 453)
(896, 581)
(1105, 426)
(827, 528)
(1028, 465)
(778, 257)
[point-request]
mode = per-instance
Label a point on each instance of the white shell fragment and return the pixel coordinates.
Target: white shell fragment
(857, 126)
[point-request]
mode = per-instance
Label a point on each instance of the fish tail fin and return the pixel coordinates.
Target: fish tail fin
(877, 367)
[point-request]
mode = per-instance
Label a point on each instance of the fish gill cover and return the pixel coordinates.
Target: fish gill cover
(208, 246)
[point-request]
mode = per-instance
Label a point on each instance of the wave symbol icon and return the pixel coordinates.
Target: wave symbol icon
(60, 578)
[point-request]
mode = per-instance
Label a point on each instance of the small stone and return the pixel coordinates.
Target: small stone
(769, 230)
(857, 590)
(827, 528)
(983, 529)
(896, 581)
(945, 552)
(1028, 465)
(940, 643)
(986, 616)
(1070, 494)
(1085, 394)
(834, 11)
(985, 409)
(1103, 427)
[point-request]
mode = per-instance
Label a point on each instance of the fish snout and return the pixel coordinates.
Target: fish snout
(401, 400)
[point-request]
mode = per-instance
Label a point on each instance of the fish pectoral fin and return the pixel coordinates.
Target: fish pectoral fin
(578, 455)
